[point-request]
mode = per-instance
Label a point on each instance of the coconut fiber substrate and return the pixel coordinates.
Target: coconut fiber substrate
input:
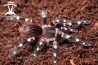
(68, 53)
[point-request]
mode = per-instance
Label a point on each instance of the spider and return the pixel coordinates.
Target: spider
(51, 34)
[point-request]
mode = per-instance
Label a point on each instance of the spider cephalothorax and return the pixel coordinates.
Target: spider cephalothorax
(47, 33)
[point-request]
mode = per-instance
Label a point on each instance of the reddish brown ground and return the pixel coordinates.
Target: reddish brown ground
(68, 54)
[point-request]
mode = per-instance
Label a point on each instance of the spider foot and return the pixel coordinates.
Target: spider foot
(17, 49)
(55, 52)
(85, 43)
(32, 58)
(73, 39)
(85, 22)
(13, 54)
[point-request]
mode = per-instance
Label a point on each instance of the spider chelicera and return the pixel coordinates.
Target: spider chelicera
(47, 33)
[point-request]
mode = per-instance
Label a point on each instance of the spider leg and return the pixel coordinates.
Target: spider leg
(24, 19)
(43, 14)
(64, 29)
(39, 47)
(63, 22)
(18, 18)
(20, 45)
(75, 23)
(55, 47)
(55, 51)
(73, 39)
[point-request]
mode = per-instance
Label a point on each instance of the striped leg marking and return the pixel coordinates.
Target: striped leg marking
(82, 22)
(72, 39)
(44, 16)
(85, 22)
(55, 51)
(21, 45)
(59, 22)
(39, 47)
(17, 49)
(69, 30)
(24, 19)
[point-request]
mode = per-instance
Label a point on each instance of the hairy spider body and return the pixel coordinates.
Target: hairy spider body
(47, 33)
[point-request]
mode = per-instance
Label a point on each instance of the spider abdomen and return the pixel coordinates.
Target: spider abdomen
(30, 30)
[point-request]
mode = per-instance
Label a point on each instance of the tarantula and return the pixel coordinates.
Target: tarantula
(50, 34)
